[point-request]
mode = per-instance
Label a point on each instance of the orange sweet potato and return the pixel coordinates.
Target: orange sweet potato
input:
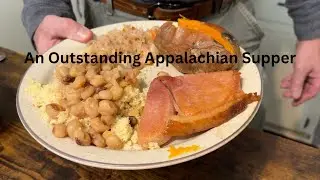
(193, 37)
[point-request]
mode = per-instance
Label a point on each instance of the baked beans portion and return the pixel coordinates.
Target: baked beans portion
(91, 91)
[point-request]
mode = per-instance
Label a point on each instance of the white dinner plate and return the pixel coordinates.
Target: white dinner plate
(128, 160)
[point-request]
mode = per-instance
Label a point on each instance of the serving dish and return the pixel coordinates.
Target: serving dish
(130, 160)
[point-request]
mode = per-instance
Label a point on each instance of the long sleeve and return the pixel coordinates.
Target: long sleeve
(306, 18)
(35, 10)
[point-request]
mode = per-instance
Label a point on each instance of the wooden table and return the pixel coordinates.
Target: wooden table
(251, 155)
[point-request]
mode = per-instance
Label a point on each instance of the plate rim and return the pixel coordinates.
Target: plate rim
(140, 166)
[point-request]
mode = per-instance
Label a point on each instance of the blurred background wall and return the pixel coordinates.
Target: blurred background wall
(12, 33)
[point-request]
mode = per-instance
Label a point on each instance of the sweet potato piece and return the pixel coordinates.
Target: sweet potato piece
(213, 31)
(197, 38)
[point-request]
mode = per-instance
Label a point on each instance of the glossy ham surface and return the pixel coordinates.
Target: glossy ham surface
(183, 105)
(198, 93)
(155, 117)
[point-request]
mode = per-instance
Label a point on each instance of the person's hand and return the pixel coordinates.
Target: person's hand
(54, 29)
(304, 83)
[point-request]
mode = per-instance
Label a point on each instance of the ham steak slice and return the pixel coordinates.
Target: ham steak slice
(155, 117)
(202, 92)
(183, 105)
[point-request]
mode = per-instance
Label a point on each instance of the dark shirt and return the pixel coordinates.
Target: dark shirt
(305, 14)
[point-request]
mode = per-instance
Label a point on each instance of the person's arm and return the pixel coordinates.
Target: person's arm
(34, 12)
(304, 82)
(306, 18)
(49, 21)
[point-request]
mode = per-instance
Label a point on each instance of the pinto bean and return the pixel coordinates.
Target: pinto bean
(97, 125)
(97, 81)
(91, 106)
(116, 92)
(98, 140)
(62, 73)
(82, 138)
(105, 94)
(87, 92)
(107, 107)
(96, 96)
(90, 74)
(108, 119)
(77, 70)
(79, 82)
(131, 76)
(74, 97)
(113, 141)
(115, 73)
(63, 103)
(53, 110)
(78, 110)
(72, 126)
(108, 85)
(123, 83)
(106, 134)
(59, 130)
(107, 75)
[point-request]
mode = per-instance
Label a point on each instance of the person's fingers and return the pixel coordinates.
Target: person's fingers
(287, 94)
(286, 81)
(310, 91)
(70, 29)
(285, 84)
(53, 29)
(305, 97)
(306, 77)
(288, 77)
(297, 82)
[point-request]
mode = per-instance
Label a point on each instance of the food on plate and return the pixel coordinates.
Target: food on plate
(156, 114)
(129, 41)
(197, 38)
(184, 105)
(116, 106)
(98, 104)
(176, 151)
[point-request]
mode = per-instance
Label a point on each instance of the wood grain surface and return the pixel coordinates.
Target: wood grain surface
(251, 155)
